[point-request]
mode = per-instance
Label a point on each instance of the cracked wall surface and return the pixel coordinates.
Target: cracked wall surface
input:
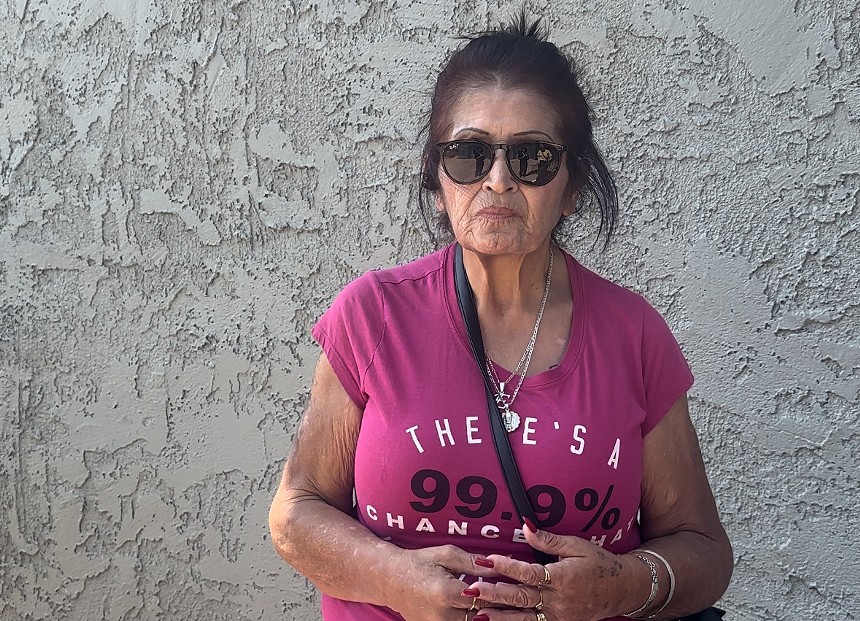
(184, 186)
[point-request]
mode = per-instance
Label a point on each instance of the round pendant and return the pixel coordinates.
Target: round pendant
(511, 420)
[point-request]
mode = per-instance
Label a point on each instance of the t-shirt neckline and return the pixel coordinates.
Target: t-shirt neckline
(578, 319)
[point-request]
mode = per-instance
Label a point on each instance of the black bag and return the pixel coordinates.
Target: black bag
(708, 614)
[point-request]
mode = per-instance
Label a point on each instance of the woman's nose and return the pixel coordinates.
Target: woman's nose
(500, 179)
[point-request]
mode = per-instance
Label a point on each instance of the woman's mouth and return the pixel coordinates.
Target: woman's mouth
(496, 212)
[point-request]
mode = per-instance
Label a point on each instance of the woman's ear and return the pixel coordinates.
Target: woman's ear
(571, 198)
(570, 204)
(440, 206)
(574, 186)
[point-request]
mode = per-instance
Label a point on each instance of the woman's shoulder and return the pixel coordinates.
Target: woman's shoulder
(376, 282)
(418, 269)
(615, 309)
(598, 288)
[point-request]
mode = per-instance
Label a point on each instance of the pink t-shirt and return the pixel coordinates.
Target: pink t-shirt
(426, 470)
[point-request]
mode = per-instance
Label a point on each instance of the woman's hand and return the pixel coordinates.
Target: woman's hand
(586, 584)
(429, 586)
(679, 520)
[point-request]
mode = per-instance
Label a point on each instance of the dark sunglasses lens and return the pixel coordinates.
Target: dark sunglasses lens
(534, 163)
(466, 161)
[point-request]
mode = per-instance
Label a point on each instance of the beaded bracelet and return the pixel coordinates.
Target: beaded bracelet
(671, 580)
(655, 584)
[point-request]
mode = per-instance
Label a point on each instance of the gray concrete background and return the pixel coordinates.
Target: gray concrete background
(185, 185)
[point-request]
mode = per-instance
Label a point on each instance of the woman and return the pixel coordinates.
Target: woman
(590, 382)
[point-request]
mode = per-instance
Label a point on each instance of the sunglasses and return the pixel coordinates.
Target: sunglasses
(531, 163)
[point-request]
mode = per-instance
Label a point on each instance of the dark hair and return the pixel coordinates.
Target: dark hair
(518, 56)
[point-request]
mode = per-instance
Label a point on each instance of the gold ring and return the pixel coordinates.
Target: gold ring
(540, 616)
(474, 605)
(539, 605)
(546, 577)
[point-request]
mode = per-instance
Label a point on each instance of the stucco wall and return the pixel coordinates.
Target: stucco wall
(185, 185)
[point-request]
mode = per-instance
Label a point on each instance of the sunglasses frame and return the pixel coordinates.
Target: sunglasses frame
(441, 146)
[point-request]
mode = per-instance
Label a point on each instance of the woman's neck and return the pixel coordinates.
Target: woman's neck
(508, 296)
(508, 285)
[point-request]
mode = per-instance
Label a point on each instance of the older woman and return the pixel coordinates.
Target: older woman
(393, 502)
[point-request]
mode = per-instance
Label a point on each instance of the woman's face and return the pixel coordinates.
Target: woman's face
(499, 215)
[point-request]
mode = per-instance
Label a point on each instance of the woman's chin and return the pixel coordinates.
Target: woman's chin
(497, 246)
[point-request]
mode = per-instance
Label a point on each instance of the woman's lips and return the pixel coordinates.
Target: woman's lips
(496, 213)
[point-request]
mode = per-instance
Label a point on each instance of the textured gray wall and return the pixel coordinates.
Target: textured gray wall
(185, 185)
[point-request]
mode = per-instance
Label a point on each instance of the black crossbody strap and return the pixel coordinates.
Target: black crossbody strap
(466, 302)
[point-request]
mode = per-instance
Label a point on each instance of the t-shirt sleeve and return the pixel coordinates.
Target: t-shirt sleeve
(349, 333)
(665, 371)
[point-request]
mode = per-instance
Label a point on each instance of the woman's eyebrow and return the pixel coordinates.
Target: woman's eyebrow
(474, 130)
(530, 132)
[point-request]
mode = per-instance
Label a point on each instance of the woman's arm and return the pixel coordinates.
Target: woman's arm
(679, 517)
(314, 530)
(679, 521)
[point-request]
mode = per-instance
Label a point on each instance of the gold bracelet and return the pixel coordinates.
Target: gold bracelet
(655, 585)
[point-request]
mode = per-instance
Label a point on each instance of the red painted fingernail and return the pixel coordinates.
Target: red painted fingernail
(530, 525)
(471, 593)
(484, 562)
(481, 617)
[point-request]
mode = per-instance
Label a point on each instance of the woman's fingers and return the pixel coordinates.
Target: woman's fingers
(563, 546)
(433, 587)
(506, 595)
(581, 585)
(455, 565)
(461, 563)
(527, 574)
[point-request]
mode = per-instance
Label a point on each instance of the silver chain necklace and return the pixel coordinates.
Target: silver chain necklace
(510, 418)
